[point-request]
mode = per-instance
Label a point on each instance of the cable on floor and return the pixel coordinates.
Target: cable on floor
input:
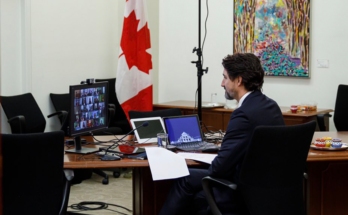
(84, 206)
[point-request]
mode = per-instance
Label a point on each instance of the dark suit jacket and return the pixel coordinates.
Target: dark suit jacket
(257, 109)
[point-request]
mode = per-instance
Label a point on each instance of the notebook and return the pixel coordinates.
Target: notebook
(185, 133)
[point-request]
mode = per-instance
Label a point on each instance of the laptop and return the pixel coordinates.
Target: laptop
(185, 133)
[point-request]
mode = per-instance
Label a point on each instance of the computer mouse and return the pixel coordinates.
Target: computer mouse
(211, 149)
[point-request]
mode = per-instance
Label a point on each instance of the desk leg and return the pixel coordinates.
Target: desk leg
(148, 195)
(327, 192)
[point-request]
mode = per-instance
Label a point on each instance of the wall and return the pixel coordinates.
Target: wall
(178, 35)
(47, 45)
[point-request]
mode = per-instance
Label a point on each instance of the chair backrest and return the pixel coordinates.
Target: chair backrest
(271, 176)
(119, 113)
(60, 103)
(160, 113)
(26, 106)
(341, 107)
(33, 178)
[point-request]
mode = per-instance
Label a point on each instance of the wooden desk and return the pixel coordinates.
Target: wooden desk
(327, 184)
(219, 117)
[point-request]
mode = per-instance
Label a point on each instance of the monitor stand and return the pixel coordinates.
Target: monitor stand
(81, 150)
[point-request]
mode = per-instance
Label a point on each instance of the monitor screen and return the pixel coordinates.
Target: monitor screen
(88, 108)
(183, 129)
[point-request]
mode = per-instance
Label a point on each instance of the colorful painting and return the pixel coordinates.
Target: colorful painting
(277, 31)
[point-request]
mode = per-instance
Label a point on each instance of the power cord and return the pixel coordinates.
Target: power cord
(84, 206)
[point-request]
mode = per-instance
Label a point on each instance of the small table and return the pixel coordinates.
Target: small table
(218, 118)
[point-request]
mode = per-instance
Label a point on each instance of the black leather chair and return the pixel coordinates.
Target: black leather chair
(34, 181)
(23, 114)
(156, 113)
(61, 104)
(341, 115)
(120, 119)
(271, 175)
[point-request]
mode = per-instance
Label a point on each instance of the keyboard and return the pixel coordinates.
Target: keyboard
(194, 146)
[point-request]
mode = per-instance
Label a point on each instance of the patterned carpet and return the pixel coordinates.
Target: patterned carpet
(118, 191)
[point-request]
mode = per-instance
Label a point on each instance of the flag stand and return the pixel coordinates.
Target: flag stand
(200, 70)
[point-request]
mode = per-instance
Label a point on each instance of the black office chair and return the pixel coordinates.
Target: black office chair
(341, 115)
(23, 114)
(156, 113)
(271, 175)
(120, 119)
(41, 186)
(61, 104)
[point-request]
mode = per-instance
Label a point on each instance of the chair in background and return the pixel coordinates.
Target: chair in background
(23, 114)
(34, 181)
(341, 115)
(61, 103)
(160, 113)
(120, 119)
(271, 175)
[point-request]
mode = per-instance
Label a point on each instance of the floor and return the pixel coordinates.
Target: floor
(118, 191)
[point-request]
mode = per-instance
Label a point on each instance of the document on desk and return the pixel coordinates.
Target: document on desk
(205, 158)
(165, 164)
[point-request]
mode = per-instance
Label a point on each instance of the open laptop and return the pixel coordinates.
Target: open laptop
(185, 133)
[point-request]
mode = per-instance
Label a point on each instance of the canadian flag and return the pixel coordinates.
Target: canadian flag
(133, 77)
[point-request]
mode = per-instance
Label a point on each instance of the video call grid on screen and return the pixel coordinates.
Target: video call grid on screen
(183, 129)
(89, 108)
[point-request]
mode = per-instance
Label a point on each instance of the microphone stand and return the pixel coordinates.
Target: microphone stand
(107, 157)
(200, 70)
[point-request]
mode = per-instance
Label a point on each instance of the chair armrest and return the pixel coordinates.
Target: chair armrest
(112, 106)
(61, 113)
(321, 120)
(21, 124)
(69, 175)
(208, 184)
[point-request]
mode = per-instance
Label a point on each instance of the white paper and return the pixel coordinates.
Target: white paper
(205, 158)
(165, 164)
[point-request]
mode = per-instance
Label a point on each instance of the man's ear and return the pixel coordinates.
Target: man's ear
(240, 79)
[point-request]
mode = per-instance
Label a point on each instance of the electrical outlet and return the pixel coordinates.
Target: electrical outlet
(323, 63)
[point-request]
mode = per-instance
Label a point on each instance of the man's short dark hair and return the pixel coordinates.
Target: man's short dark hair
(247, 66)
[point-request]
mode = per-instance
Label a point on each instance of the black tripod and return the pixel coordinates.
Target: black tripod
(200, 70)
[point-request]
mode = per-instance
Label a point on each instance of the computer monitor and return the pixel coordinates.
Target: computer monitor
(88, 112)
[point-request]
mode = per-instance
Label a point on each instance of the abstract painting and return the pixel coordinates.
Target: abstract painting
(277, 31)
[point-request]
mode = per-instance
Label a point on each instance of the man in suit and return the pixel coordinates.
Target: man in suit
(242, 80)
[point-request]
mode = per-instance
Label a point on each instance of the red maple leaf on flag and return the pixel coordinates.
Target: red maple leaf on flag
(135, 43)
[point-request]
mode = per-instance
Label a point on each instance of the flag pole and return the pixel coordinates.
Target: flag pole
(200, 70)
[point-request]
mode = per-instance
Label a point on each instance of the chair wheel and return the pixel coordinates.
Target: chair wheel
(116, 174)
(105, 181)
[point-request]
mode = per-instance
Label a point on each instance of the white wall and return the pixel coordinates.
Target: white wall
(47, 45)
(178, 35)
(10, 40)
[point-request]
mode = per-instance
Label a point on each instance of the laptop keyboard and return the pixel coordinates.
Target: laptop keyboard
(193, 146)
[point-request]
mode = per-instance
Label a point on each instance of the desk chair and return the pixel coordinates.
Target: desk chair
(61, 104)
(156, 113)
(23, 114)
(341, 115)
(271, 175)
(34, 181)
(120, 119)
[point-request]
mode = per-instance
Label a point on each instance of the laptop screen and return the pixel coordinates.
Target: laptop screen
(183, 129)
